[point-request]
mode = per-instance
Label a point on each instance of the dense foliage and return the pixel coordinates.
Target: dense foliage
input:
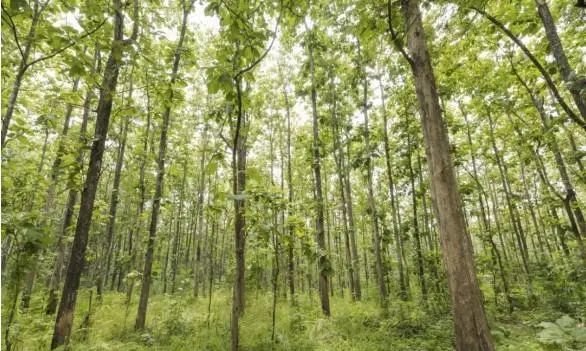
(165, 160)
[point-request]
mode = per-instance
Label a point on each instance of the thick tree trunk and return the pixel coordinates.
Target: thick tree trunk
(470, 323)
(148, 258)
(64, 320)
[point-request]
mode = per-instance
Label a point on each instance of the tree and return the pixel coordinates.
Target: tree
(186, 6)
(470, 321)
(64, 320)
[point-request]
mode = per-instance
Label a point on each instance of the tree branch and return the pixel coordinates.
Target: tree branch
(256, 62)
(60, 50)
(394, 36)
(537, 65)
(13, 28)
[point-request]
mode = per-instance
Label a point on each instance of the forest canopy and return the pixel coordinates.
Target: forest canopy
(293, 175)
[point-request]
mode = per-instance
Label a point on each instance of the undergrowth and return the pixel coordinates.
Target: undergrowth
(183, 323)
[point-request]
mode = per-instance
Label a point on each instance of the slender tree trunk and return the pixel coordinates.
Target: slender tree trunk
(351, 224)
(148, 258)
(485, 218)
(323, 263)
(290, 193)
(471, 326)
(380, 274)
(557, 49)
(338, 155)
(72, 195)
(37, 9)
(133, 232)
(420, 263)
(514, 216)
(239, 152)
(580, 121)
(114, 198)
(570, 201)
(394, 212)
(199, 215)
(177, 238)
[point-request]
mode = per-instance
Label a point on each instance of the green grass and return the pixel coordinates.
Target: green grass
(182, 323)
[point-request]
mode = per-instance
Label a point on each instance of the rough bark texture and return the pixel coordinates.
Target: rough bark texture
(64, 320)
(471, 326)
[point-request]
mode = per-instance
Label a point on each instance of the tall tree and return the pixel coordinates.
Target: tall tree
(186, 7)
(470, 322)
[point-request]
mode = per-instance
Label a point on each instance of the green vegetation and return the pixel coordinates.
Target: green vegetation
(182, 323)
(293, 175)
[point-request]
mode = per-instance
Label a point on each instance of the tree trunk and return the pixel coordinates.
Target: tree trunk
(470, 323)
(416, 233)
(64, 320)
(239, 185)
(378, 261)
(323, 262)
(72, 195)
(485, 217)
(557, 49)
(338, 158)
(291, 232)
(110, 228)
(394, 212)
(22, 68)
(148, 258)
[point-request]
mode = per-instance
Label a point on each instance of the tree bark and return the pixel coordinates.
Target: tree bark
(64, 320)
(470, 323)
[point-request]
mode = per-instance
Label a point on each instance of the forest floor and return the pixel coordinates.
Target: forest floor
(183, 323)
